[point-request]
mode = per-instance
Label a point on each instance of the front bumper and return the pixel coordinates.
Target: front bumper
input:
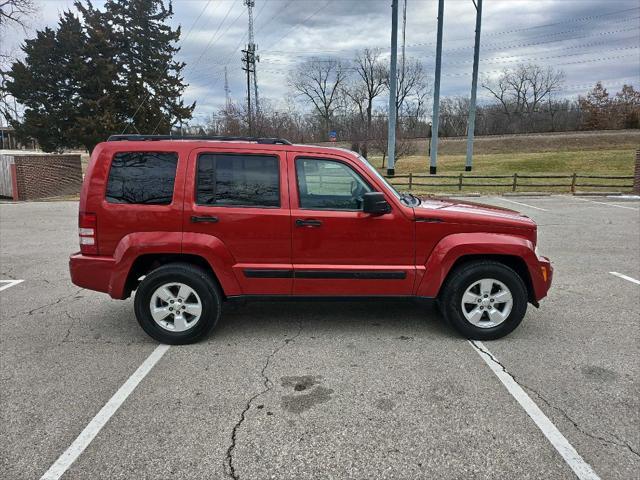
(542, 281)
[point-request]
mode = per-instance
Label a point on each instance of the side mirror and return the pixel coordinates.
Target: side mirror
(375, 203)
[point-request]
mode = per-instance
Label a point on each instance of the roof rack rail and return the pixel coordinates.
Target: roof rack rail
(139, 138)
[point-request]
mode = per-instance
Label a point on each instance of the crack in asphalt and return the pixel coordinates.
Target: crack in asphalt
(34, 310)
(619, 443)
(66, 335)
(229, 469)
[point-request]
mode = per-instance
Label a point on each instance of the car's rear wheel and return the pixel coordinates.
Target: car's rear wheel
(484, 300)
(177, 303)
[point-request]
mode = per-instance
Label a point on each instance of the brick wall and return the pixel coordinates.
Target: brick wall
(42, 176)
(636, 175)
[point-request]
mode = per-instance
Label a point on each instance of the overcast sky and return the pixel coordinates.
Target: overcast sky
(589, 40)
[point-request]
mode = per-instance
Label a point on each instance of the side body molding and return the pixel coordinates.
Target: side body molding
(452, 247)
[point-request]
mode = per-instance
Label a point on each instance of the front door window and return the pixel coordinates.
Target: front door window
(329, 185)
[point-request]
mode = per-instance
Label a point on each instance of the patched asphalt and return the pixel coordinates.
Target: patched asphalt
(324, 389)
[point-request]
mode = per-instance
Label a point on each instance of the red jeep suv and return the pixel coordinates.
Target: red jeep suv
(188, 222)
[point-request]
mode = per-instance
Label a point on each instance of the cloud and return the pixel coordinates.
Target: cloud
(589, 40)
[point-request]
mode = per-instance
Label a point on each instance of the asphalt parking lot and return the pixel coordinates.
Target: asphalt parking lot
(324, 390)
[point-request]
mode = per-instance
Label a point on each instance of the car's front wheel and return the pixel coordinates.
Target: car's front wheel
(177, 303)
(484, 300)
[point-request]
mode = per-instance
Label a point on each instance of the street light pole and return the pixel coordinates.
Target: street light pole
(391, 147)
(436, 92)
(471, 124)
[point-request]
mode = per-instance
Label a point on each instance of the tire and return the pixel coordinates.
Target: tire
(486, 316)
(165, 287)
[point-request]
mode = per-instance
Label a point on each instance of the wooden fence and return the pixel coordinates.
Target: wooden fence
(6, 186)
(513, 182)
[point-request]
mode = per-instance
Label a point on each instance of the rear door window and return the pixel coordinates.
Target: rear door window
(142, 178)
(238, 180)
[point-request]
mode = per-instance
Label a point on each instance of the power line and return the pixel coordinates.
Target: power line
(226, 60)
(561, 49)
(571, 20)
(279, 12)
(213, 38)
(494, 46)
(166, 70)
(303, 21)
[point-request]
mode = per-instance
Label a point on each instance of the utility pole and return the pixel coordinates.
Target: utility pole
(436, 92)
(471, 124)
(247, 59)
(404, 36)
(252, 47)
(227, 90)
(391, 151)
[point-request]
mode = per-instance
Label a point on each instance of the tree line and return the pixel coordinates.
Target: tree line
(113, 70)
(99, 72)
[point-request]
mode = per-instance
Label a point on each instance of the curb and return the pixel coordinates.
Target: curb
(597, 194)
(526, 194)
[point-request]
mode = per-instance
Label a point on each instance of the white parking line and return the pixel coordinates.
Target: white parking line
(9, 284)
(624, 277)
(605, 203)
(523, 204)
(581, 468)
(95, 425)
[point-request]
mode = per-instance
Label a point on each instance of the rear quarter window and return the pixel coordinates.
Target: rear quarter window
(236, 180)
(142, 178)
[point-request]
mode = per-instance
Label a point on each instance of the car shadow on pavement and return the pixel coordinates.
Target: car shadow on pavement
(392, 318)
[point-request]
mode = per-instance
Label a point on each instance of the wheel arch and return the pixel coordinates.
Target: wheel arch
(138, 252)
(457, 249)
(146, 263)
(514, 262)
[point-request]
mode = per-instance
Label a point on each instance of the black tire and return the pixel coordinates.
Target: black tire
(194, 277)
(465, 276)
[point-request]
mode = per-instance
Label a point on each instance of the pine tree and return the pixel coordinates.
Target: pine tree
(100, 73)
(150, 85)
(98, 116)
(47, 84)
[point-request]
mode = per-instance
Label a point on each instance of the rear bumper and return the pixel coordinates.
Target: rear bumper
(92, 272)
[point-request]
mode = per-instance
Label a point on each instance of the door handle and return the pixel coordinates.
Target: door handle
(195, 219)
(308, 223)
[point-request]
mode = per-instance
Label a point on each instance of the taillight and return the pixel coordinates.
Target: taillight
(88, 233)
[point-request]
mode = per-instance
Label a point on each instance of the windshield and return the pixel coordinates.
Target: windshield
(377, 174)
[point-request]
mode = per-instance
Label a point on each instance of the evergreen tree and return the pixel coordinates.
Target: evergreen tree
(100, 73)
(47, 84)
(150, 85)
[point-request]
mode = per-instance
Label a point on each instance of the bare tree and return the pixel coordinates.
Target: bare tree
(453, 116)
(369, 83)
(320, 82)
(411, 82)
(15, 12)
(12, 13)
(627, 106)
(524, 88)
(380, 143)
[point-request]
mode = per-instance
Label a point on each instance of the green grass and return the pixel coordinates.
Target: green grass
(586, 162)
